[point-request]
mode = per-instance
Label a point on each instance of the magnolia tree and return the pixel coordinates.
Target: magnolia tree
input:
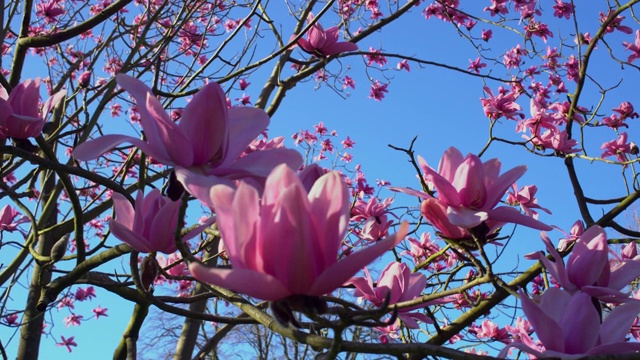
(147, 173)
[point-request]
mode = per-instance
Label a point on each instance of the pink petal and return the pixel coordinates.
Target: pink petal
(94, 148)
(507, 214)
(469, 182)
(341, 271)
(339, 48)
(447, 193)
(502, 184)
(449, 163)
(163, 227)
(245, 124)
(204, 123)
(259, 285)
(125, 234)
(123, 209)
(466, 218)
(200, 185)
(581, 324)
(548, 330)
(616, 325)
(329, 206)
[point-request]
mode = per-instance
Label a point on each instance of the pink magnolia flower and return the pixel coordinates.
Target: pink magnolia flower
(626, 110)
(588, 268)
(526, 199)
(468, 191)
(67, 342)
(397, 282)
(210, 138)
(287, 242)
(476, 65)
(503, 104)
(99, 311)
(151, 224)
(378, 90)
(323, 43)
(404, 65)
(570, 326)
(20, 115)
(634, 48)
(617, 147)
(10, 218)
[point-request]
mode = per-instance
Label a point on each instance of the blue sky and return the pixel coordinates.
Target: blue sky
(443, 109)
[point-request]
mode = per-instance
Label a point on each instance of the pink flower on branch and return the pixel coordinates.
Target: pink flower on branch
(634, 48)
(151, 224)
(571, 327)
(67, 342)
(210, 137)
(324, 43)
(20, 115)
(399, 284)
(468, 191)
(286, 243)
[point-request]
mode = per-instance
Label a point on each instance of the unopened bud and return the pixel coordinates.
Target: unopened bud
(85, 79)
(149, 270)
(634, 148)
(59, 248)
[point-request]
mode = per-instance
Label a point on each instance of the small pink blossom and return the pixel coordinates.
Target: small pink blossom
(376, 57)
(633, 47)
(618, 148)
(348, 82)
(323, 43)
(67, 342)
(476, 65)
(378, 90)
(73, 320)
(487, 34)
(99, 311)
(404, 65)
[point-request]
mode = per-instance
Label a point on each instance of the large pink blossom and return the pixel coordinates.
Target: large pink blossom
(588, 268)
(323, 43)
(287, 242)
(468, 192)
(570, 327)
(20, 114)
(210, 137)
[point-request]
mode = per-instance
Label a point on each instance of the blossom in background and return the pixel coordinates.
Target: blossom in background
(399, 284)
(286, 243)
(526, 199)
(20, 114)
(634, 48)
(151, 225)
(67, 342)
(10, 218)
(322, 43)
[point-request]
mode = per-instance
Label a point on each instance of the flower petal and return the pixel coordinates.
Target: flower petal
(259, 285)
(341, 271)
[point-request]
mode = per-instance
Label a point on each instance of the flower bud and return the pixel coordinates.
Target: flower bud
(149, 270)
(59, 248)
(634, 148)
(85, 79)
